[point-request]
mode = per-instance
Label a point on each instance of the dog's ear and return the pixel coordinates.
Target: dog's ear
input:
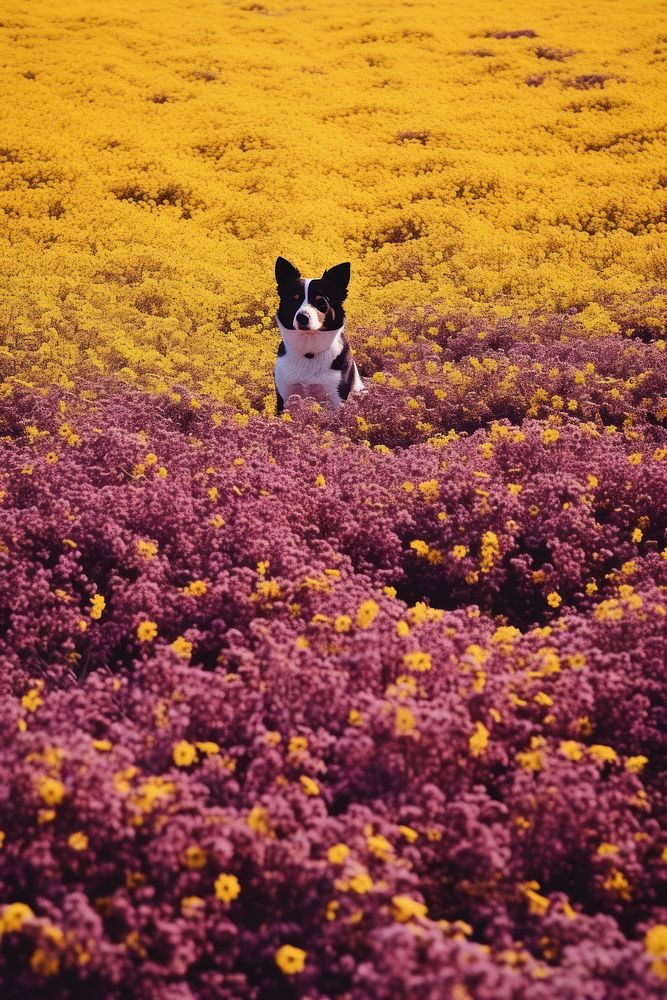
(286, 273)
(337, 279)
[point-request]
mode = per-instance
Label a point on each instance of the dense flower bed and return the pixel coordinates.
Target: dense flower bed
(287, 715)
(367, 705)
(153, 163)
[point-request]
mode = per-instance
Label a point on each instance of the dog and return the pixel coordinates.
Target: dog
(314, 358)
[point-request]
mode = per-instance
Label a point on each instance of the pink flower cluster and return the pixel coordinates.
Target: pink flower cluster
(286, 715)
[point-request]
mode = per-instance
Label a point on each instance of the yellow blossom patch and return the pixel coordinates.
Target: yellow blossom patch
(227, 888)
(290, 960)
(184, 753)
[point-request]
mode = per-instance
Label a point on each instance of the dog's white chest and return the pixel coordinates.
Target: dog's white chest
(311, 377)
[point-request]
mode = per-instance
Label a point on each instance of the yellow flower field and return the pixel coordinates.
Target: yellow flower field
(481, 156)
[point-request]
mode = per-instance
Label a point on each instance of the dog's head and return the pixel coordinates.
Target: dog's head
(311, 303)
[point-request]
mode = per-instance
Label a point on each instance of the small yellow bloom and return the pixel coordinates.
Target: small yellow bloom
(367, 613)
(78, 841)
(554, 600)
(361, 883)
(309, 785)
(343, 623)
(379, 846)
(405, 721)
(417, 661)
(655, 943)
(31, 701)
(13, 917)
(227, 888)
(290, 960)
(97, 606)
(404, 908)
(51, 790)
(571, 749)
(182, 647)
(147, 550)
(338, 854)
(194, 857)
(146, 631)
(479, 740)
(195, 589)
(459, 552)
(184, 753)
(605, 754)
(320, 481)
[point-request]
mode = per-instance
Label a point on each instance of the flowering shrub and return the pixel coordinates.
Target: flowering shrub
(145, 197)
(468, 793)
(368, 704)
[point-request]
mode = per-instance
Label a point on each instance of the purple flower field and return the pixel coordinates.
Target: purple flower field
(289, 713)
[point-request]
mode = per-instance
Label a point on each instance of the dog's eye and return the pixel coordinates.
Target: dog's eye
(297, 295)
(321, 303)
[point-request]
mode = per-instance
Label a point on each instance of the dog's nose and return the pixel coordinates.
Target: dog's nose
(303, 319)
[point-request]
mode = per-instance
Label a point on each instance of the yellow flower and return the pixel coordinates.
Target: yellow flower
(554, 600)
(571, 749)
(361, 883)
(31, 701)
(13, 917)
(605, 754)
(290, 960)
(379, 846)
(146, 631)
(405, 721)
(227, 888)
(343, 623)
(367, 613)
(184, 753)
(409, 834)
(550, 435)
(51, 790)
(297, 744)
(459, 552)
(338, 854)
(194, 857)
(430, 490)
(479, 740)
(417, 661)
(182, 647)
(309, 785)
(147, 550)
(195, 589)
(404, 908)
(655, 942)
(420, 547)
(490, 550)
(78, 841)
(97, 606)
(320, 481)
(636, 764)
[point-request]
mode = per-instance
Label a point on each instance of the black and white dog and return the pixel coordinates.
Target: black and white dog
(314, 358)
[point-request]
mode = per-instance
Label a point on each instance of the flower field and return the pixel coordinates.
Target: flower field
(367, 704)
